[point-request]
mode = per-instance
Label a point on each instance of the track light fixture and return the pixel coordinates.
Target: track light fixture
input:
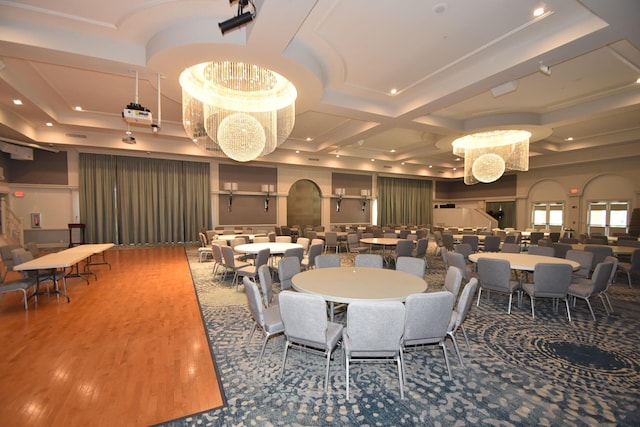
(240, 19)
(544, 69)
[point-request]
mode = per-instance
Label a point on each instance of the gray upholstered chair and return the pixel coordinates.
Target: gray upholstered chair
(231, 264)
(20, 285)
(561, 249)
(491, 244)
(266, 286)
(7, 258)
(204, 251)
(596, 286)
(373, 334)
(218, 259)
(354, 245)
(328, 261)
(599, 254)
(304, 242)
(612, 279)
(287, 268)
(420, 250)
(457, 260)
(369, 260)
(460, 314)
(585, 258)
(261, 239)
(510, 248)
(465, 249)
(453, 280)
(632, 267)
(447, 241)
(472, 240)
(283, 239)
(550, 280)
(542, 250)
(404, 248)
(267, 319)
(305, 324)
(411, 265)
(331, 241)
(495, 275)
(427, 319)
(297, 252)
(309, 261)
(251, 270)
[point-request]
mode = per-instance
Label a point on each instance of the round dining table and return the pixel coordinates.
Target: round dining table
(523, 261)
(275, 248)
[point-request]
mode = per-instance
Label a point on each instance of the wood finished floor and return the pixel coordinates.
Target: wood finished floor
(129, 350)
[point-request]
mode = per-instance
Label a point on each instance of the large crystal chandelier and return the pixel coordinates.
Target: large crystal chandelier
(242, 111)
(488, 154)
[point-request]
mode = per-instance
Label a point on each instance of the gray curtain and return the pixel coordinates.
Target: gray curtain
(404, 201)
(151, 200)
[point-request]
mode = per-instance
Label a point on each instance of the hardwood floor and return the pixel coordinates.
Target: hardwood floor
(129, 350)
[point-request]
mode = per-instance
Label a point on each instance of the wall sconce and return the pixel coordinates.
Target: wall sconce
(267, 188)
(339, 192)
(230, 187)
(365, 193)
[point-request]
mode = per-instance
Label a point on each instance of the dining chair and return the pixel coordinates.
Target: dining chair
(20, 285)
(420, 251)
(561, 249)
(534, 237)
(427, 318)
(585, 258)
(297, 252)
(472, 240)
(541, 250)
(287, 268)
(457, 260)
(374, 334)
(267, 319)
(510, 248)
(283, 239)
(453, 280)
(631, 267)
(327, 261)
(261, 239)
(304, 317)
(331, 241)
(447, 241)
(460, 314)
(204, 251)
(465, 249)
(369, 260)
(491, 244)
(415, 266)
(599, 254)
(7, 258)
(612, 279)
(595, 286)
(22, 255)
(231, 264)
(308, 262)
(404, 248)
(266, 286)
(495, 275)
(354, 245)
(251, 270)
(304, 242)
(550, 280)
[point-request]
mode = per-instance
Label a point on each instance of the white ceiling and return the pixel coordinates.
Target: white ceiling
(443, 57)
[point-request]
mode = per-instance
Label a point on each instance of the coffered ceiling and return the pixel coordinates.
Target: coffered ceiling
(457, 66)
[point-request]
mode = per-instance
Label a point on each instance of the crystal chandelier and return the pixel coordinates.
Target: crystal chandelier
(242, 111)
(488, 154)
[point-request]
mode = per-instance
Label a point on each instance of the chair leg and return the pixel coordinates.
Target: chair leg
(400, 379)
(590, 309)
(604, 303)
(346, 362)
(264, 345)
(566, 302)
(326, 374)
(609, 301)
(446, 358)
(284, 357)
(456, 348)
(466, 339)
(629, 279)
(250, 337)
(533, 314)
(479, 293)
(510, 298)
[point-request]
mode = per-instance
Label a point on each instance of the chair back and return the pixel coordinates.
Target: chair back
(492, 243)
(217, 254)
(314, 251)
(261, 239)
(585, 258)
(494, 274)
(369, 260)
(404, 248)
(427, 317)
(600, 277)
(316, 241)
(453, 280)
(287, 268)
(542, 250)
(228, 259)
(262, 257)
(203, 240)
(464, 249)
(551, 280)
(327, 261)
(374, 329)
(614, 270)
(331, 238)
(298, 252)
(599, 253)
(411, 265)
(304, 317)
(510, 248)
(561, 249)
(283, 239)
(447, 241)
(255, 301)
(457, 260)
(535, 236)
(464, 303)
(421, 248)
(473, 240)
(304, 242)
(266, 284)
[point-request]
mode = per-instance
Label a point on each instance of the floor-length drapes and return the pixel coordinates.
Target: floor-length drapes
(404, 201)
(151, 200)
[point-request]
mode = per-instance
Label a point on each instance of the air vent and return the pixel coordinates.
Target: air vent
(75, 135)
(314, 159)
(387, 167)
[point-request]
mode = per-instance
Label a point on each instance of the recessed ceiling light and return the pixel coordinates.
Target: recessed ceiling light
(17, 101)
(455, 169)
(49, 124)
(337, 155)
(373, 160)
(393, 150)
(195, 139)
(308, 139)
(539, 11)
(569, 139)
(402, 163)
(430, 166)
(393, 91)
(457, 159)
(128, 132)
(638, 81)
(78, 108)
(297, 151)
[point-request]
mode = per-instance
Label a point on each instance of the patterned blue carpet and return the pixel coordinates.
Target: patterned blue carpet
(519, 371)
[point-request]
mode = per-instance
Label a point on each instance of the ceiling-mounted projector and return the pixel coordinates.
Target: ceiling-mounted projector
(137, 114)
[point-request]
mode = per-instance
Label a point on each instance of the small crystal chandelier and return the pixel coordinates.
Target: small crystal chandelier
(242, 111)
(488, 154)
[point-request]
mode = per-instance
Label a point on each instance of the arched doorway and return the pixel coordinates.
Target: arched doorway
(304, 204)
